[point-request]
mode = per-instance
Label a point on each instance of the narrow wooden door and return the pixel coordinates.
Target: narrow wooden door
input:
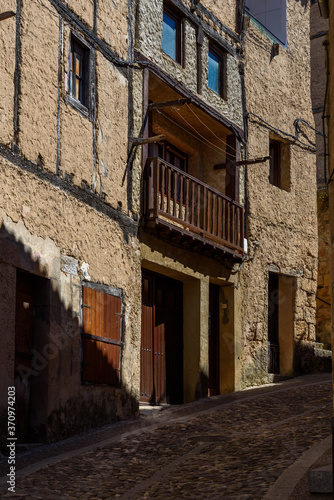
(146, 352)
(273, 318)
(162, 341)
(214, 371)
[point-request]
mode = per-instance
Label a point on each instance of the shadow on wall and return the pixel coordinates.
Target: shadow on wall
(41, 355)
(309, 359)
(305, 3)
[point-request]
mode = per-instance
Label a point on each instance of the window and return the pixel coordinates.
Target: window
(171, 36)
(79, 72)
(275, 163)
(279, 174)
(101, 337)
(216, 71)
(271, 14)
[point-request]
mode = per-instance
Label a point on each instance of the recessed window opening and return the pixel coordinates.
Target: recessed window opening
(171, 35)
(275, 163)
(271, 14)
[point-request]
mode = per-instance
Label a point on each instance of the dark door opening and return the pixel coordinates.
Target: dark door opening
(273, 322)
(31, 334)
(161, 368)
(214, 353)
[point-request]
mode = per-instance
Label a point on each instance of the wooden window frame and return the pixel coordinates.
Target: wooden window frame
(179, 35)
(221, 56)
(82, 102)
(92, 339)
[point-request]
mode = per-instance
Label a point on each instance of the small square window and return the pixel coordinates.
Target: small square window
(79, 72)
(171, 36)
(216, 71)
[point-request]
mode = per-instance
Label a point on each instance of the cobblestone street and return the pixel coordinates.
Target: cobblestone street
(232, 446)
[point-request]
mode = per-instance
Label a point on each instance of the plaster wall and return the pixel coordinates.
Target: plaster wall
(318, 31)
(281, 223)
(64, 214)
(149, 43)
(7, 89)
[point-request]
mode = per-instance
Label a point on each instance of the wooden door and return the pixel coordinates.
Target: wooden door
(273, 318)
(214, 366)
(162, 342)
(146, 351)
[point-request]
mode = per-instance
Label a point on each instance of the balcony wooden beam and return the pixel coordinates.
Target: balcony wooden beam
(6, 15)
(138, 141)
(167, 104)
(220, 166)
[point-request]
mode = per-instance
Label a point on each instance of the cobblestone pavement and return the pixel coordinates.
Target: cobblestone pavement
(226, 447)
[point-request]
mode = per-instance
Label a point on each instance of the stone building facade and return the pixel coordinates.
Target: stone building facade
(68, 233)
(144, 255)
(319, 31)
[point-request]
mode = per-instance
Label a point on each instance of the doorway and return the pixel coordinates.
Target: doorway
(31, 334)
(273, 324)
(214, 344)
(161, 363)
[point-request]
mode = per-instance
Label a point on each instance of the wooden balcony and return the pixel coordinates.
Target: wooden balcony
(184, 210)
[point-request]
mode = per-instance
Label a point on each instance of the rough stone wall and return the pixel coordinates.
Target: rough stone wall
(281, 223)
(319, 28)
(323, 325)
(149, 43)
(64, 209)
(7, 90)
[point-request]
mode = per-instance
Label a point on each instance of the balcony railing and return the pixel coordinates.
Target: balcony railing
(176, 200)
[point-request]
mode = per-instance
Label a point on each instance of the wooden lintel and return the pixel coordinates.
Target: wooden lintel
(167, 104)
(6, 15)
(220, 166)
(137, 141)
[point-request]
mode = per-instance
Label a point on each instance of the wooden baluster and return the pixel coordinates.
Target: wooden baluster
(205, 209)
(155, 186)
(175, 197)
(233, 224)
(224, 219)
(215, 215)
(162, 202)
(209, 211)
(181, 198)
(168, 188)
(228, 222)
(187, 201)
(242, 236)
(192, 202)
(219, 224)
(199, 205)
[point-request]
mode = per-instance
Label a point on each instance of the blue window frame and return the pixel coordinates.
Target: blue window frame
(216, 71)
(171, 36)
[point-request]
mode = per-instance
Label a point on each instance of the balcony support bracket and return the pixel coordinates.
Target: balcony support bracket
(221, 166)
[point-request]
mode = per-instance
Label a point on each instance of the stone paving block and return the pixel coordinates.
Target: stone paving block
(321, 480)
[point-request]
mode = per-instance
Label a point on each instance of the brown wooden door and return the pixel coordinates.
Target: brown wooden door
(214, 369)
(273, 317)
(162, 342)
